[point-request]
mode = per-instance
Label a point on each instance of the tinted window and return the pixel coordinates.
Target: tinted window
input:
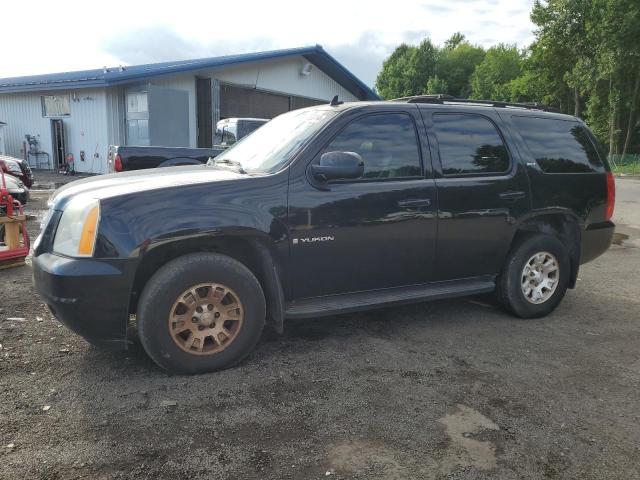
(387, 144)
(469, 144)
(559, 146)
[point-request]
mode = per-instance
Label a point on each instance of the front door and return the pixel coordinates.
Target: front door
(482, 190)
(375, 232)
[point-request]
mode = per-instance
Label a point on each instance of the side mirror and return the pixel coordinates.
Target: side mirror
(338, 166)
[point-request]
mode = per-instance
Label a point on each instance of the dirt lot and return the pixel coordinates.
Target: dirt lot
(452, 389)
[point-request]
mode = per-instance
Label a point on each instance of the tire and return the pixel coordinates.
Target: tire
(168, 303)
(542, 300)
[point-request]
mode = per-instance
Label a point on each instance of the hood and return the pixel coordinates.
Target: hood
(13, 184)
(117, 184)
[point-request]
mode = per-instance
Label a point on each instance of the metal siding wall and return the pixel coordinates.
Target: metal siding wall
(115, 116)
(23, 115)
(85, 129)
(283, 76)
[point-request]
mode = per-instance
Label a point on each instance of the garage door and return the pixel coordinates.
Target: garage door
(247, 102)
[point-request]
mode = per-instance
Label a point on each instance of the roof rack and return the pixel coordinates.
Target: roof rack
(448, 99)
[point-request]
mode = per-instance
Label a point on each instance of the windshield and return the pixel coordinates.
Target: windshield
(275, 143)
(226, 133)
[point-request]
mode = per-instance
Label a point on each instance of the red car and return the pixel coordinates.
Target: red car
(17, 168)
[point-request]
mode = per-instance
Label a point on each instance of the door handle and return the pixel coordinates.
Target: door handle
(415, 203)
(511, 195)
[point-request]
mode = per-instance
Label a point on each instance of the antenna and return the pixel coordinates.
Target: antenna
(335, 102)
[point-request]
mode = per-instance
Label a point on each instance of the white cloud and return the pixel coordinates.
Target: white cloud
(62, 36)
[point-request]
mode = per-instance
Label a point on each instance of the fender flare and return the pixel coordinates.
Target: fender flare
(273, 291)
(575, 252)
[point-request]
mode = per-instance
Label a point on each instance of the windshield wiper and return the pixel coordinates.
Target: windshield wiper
(225, 162)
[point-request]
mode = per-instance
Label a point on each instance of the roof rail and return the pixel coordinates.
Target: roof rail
(448, 99)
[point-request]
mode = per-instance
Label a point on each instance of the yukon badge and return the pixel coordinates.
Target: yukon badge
(326, 238)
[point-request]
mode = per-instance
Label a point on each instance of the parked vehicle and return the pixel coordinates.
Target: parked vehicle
(228, 132)
(17, 189)
(18, 168)
(231, 130)
(327, 210)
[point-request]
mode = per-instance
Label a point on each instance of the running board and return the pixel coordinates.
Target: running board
(352, 302)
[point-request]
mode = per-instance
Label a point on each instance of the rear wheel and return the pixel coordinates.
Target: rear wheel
(535, 276)
(201, 312)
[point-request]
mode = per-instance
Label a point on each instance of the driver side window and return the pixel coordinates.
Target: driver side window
(386, 142)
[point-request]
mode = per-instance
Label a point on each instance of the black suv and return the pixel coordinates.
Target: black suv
(326, 210)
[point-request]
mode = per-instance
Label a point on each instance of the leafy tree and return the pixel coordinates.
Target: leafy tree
(405, 72)
(585, 60)
(392, 81)
(455, 40)
(456, 64)
(436, 84)
(491, 78)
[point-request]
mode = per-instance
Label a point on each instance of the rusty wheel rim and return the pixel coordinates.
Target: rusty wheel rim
(206, 318)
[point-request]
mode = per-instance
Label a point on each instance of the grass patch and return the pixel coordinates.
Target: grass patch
(629, 169)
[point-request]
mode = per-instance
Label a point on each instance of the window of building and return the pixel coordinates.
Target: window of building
(56, 105)
(559, 146)
(469, 144)
(386, 142)
(137, 102)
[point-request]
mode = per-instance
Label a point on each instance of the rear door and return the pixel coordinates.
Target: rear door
(482, 189)
(564, 168)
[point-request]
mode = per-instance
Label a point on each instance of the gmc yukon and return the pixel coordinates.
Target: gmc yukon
(326, 210)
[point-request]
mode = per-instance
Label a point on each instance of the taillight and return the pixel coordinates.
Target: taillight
(117, 164)
(611, 196)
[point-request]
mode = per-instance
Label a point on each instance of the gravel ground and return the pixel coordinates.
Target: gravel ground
(451, 389)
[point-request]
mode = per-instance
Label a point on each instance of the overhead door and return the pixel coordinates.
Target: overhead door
(248, 102)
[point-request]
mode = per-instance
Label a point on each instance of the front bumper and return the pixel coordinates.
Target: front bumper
(89, 296)
(596, 240)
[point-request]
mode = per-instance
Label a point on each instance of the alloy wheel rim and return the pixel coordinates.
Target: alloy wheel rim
(205, 319)
(539, 278)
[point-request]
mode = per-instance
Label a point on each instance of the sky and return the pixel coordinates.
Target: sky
(46, 37)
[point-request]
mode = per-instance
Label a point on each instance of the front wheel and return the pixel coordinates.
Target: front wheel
(201, 312)
(535, 276)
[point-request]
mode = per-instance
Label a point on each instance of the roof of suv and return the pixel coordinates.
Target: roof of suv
(444, 101)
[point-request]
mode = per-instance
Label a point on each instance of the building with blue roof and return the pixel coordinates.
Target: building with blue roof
(80, 114)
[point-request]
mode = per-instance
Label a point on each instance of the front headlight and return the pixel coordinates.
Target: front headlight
(77, 229)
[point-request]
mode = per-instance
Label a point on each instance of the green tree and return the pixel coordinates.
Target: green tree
(456, 64)
(435, 85)
(406, 71)
(587, 54)
(492, 77)
(585, 60)
(455, 40)
(392, 81)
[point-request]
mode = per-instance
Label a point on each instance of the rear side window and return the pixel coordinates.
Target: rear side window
(386, 142)
(559, 146)
(469, 144)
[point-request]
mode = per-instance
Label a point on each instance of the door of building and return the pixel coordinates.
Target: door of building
(58, 143)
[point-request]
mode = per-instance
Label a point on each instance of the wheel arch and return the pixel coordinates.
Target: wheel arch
(254, 251)
(564, 225)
